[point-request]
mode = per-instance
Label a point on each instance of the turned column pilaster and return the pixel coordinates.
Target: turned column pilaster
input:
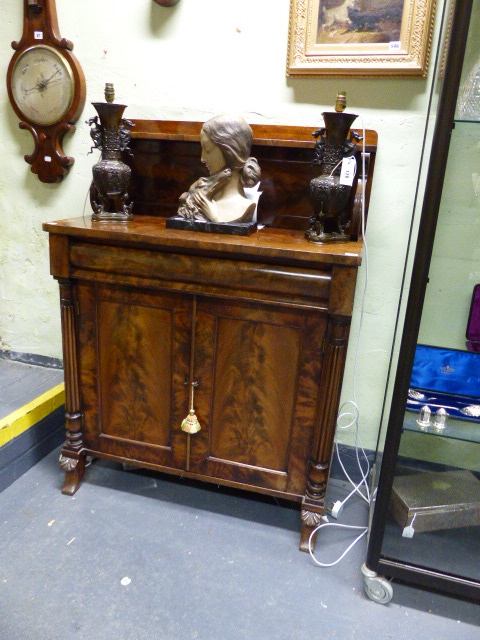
(318, 466)
(72, 460)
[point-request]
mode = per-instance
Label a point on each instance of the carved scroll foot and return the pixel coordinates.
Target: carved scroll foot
(74, 469)
(310, 520)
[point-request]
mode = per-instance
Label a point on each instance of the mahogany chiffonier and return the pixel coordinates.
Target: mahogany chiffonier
(252, 331)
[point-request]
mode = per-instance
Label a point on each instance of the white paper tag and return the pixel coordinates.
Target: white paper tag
(47, 158)
(38, 35)
(347, 172)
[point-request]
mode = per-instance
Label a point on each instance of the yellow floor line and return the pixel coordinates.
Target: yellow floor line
(22, 419)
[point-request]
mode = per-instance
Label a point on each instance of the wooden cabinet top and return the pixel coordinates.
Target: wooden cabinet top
(267, 244)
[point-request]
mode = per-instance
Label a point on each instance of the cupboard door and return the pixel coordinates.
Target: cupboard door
(134, 359)
(258, 369)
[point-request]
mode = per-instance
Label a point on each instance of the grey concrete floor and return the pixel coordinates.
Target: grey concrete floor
(139, 556)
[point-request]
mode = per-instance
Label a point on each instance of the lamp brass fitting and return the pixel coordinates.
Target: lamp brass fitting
(341, 101)
(109, 92)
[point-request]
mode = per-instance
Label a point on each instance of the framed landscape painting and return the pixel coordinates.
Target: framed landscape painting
(360, 37)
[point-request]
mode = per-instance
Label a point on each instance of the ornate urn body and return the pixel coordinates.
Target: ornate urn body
(111, 177)
(329, 194)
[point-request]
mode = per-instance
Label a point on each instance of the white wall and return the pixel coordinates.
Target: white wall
(190, 62)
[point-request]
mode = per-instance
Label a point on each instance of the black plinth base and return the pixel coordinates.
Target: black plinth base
(227, 228)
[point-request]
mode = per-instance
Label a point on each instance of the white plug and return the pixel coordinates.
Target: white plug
(337, 508)
(409, 531)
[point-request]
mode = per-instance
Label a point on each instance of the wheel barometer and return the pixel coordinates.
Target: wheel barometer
(46, 87)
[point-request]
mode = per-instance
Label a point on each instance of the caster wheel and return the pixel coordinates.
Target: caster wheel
(377, 588)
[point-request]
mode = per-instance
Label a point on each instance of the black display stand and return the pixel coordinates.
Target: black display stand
(226, 228)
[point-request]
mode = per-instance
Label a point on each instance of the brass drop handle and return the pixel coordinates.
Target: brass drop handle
(191, 424)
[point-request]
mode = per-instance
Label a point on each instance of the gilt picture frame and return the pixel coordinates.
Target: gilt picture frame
(360, 37)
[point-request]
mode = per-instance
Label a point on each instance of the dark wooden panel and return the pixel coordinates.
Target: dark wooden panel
(342, 291)
(161, 171)
(307, 392)
(293, 282)
(134, 390)
(135, 373)
(258, 371)
(166, 162)
(59, 262)
(253, 392)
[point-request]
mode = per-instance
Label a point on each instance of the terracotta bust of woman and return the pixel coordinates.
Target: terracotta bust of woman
(226, 142)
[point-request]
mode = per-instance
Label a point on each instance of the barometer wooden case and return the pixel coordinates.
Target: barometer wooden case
(46, 87)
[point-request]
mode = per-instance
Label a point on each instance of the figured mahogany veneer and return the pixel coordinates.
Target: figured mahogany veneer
(259, 324)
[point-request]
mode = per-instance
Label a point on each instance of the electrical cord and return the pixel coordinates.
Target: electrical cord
(350, 418)
(350, 546)
(358, 447)
(87, 195)
(84, 212)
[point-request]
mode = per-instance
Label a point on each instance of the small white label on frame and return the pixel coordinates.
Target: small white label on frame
(38, 35)
(47, 158)
(347, 172)
(394, 45)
